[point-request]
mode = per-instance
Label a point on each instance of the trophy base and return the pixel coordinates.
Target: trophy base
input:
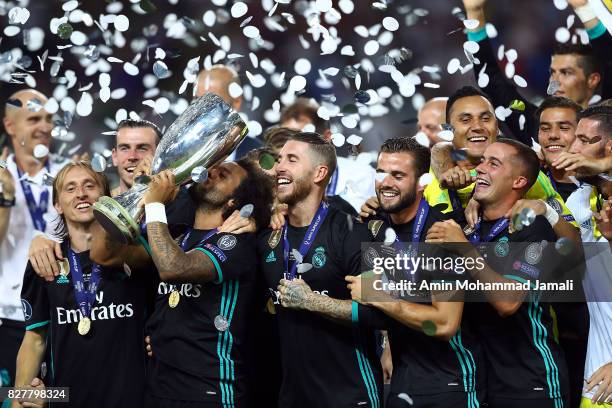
(116, 220)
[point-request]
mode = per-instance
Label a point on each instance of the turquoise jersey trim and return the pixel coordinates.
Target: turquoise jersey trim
(37, 325)
(596, 31)
(215, 262)
(478, 35)
(354, 312)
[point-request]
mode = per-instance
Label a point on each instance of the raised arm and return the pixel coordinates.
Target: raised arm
(7, 195)
(499, 88)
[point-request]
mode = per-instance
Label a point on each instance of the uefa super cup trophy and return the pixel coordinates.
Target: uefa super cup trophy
(204, 135)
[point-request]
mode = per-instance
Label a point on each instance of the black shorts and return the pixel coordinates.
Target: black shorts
(11, 335)
(152, 401)
(496, 402)
(441, 400)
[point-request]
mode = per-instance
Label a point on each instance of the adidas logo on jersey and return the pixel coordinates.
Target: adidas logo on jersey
(271, 257)
(62, 279)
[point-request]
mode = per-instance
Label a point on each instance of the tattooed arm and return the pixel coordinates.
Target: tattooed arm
(296, 294)
(441, 159)
(174, 265)
(107, 252)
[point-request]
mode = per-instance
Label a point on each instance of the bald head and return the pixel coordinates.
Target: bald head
(27, 122)
(431, 117)
(18, 102)
(217, 80)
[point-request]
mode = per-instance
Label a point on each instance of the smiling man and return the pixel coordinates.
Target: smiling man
(576, 71)
(136, 140)
(25, 210)
(325, 361)
(526, 365)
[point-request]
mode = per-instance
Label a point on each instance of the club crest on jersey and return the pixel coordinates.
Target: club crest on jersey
(275, 238)
(319, 258)
(27, 309)
(502, 248)
(533, 253)
(554, 203)
(271, 257)
(369, 256)
(374, 227)
(227, 242)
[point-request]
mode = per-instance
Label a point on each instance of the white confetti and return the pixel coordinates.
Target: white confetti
(162, 105)
(239, 9)
(453, 65)
(302, 66)
(354, 140)
(426, 179)
(520, 81)
(371, 47)
(422, 139)
(562, 35)
(323, 113)
(510, 69)
(297, 83)
(121, 23)
(40, 151)
(338, 139)
(250, 31)
(390, 236)
(323, 6)
(11, 31)
(511, 55)
(362, 31)
(471, 46)
(209, 18)
(560, 4)
(390, 24)
(471, 24)
(235, 90)
(522, 122)
(70, 5)
(446, 135)
(130, 69)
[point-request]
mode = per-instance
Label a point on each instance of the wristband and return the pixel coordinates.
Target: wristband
(551, 215)
(155, 212)
(585, 13)
(5, 202)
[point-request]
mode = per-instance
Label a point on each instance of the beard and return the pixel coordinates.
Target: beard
(405, 200)
(208, 197)
(301, 189)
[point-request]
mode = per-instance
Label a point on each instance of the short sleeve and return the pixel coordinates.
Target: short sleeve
(232, 255)
(544, 190)
(34, 300)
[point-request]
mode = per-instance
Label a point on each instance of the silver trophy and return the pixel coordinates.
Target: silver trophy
(204, 135)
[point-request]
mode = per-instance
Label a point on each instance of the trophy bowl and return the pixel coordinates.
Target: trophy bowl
(204, 135)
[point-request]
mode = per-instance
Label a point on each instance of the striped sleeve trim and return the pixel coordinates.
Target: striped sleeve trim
(37, 325)
(215, 262)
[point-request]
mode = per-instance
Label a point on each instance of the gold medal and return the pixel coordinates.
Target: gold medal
(174, 299)
(84, 326)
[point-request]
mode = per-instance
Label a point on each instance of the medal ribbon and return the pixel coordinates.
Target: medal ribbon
(85, 295)
(188, 234)
(499, 226)
(309, 237)
(37, 209)
(417, 229)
